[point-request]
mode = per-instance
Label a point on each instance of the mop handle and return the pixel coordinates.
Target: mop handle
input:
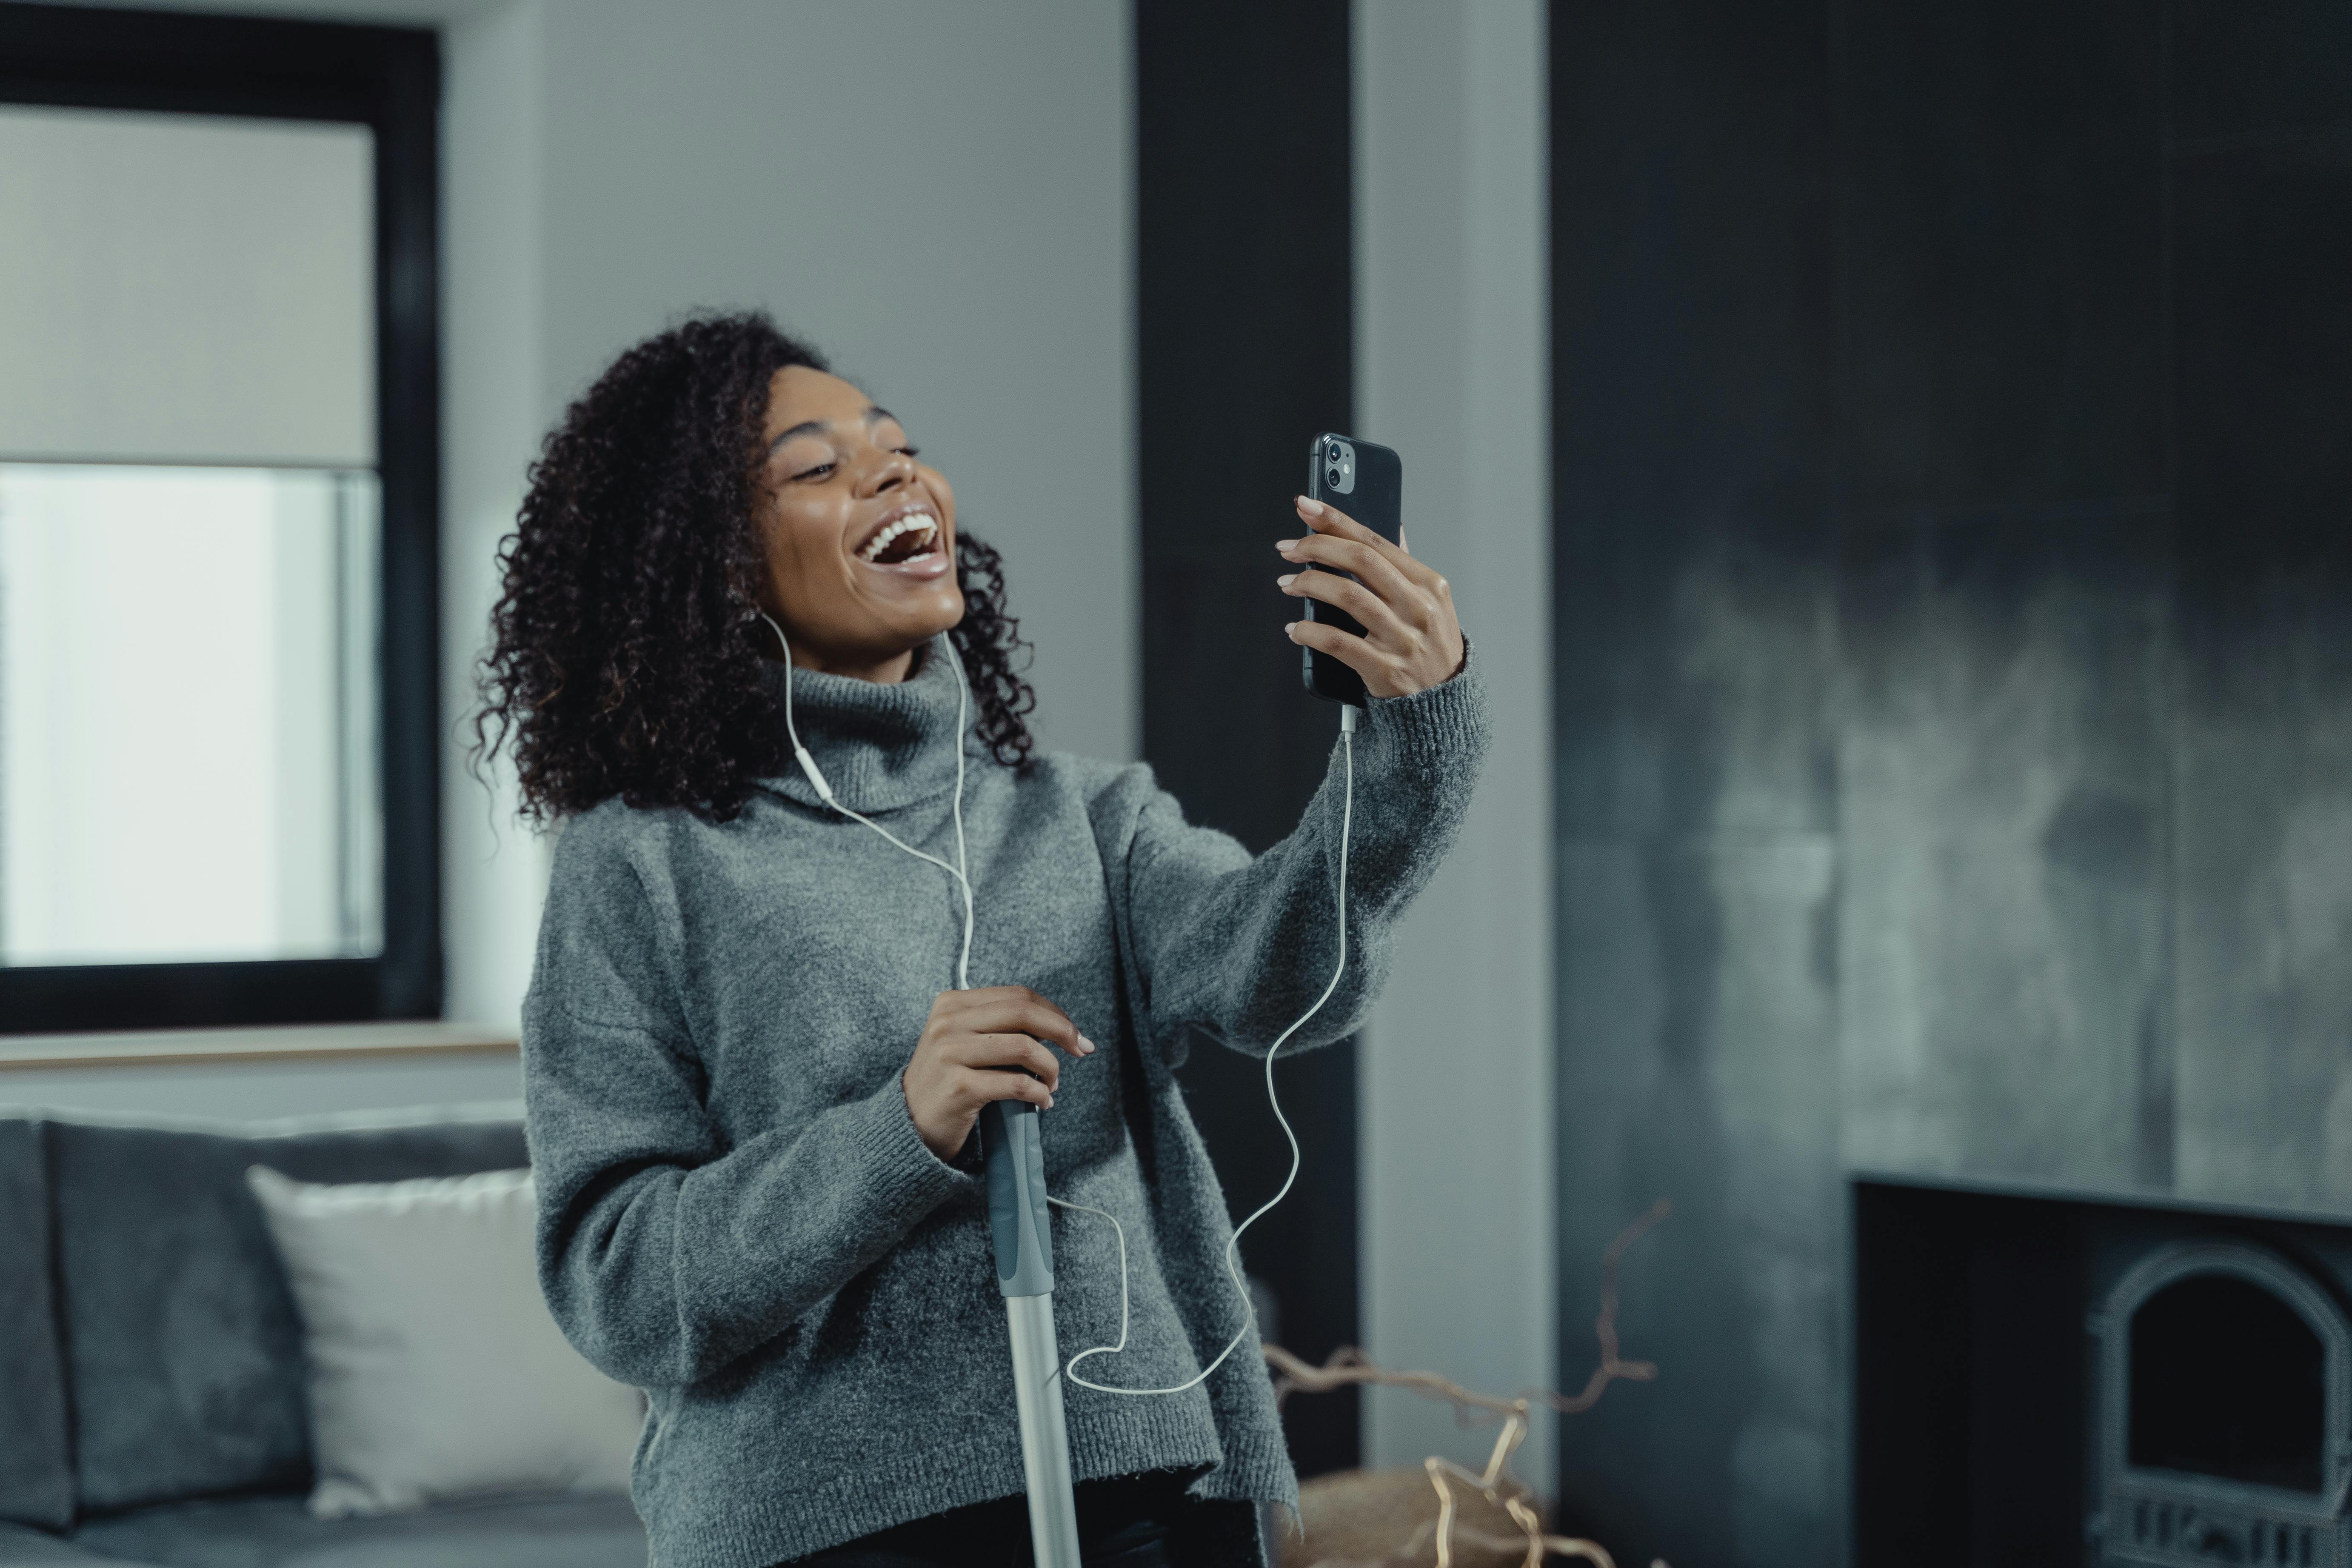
(1025, 1274)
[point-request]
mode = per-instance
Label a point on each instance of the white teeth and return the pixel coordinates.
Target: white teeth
(892, 530)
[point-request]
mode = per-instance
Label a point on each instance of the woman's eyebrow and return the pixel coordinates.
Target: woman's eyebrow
(874, 415)
(806, 427)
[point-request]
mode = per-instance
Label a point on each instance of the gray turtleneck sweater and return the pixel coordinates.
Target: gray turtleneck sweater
(735, 1213)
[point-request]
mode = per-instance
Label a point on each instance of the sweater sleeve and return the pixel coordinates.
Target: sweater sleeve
(1238, 947)
(663, 1254)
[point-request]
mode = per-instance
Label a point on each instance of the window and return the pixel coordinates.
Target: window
(218, 495)
(187, 715)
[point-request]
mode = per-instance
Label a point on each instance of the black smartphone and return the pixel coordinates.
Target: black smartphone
(1367, 482)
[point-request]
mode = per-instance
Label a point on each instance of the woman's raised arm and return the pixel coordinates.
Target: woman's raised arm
(1238, 947)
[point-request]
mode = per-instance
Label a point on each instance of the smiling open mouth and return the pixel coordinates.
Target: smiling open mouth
(901, 539)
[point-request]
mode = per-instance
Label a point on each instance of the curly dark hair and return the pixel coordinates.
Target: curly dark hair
(625, 659)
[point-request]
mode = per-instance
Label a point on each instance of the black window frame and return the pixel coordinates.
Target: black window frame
(389, 80)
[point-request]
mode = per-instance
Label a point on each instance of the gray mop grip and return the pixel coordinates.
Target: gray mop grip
(1016, 1198)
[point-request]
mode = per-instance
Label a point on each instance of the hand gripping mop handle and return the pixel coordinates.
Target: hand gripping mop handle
(1024, 1273)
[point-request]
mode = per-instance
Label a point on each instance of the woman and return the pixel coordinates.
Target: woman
(751, 1084)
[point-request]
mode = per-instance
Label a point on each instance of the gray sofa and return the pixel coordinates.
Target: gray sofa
(152, 1405)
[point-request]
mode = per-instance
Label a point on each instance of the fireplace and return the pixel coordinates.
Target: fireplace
(2225, 1399)
(2048, 1378)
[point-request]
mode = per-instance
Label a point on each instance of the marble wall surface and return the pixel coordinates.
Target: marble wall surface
(1955, 694)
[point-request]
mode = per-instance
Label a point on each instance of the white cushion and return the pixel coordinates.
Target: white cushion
(436, 1371)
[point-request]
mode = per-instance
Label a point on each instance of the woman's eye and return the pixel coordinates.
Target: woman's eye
(909, 451)
(817, 473)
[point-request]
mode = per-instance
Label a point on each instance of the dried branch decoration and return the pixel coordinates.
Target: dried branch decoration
(1348, 1367)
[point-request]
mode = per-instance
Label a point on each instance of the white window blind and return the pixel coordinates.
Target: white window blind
(185, 288)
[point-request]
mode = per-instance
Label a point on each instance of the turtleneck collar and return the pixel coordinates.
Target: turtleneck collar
(880, 746)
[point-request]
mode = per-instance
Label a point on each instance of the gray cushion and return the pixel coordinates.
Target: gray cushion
(279, 1532)
(182, 1351)
(21, 1548)
(36, 1467)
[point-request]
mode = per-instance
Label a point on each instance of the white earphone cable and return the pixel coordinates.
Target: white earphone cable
(1232, 1246)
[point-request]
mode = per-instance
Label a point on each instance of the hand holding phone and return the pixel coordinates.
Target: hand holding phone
(1379, 623)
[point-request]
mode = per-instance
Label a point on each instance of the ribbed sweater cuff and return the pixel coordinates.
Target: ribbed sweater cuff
(1256, 1469)
(1441, 726)
(905, 1178)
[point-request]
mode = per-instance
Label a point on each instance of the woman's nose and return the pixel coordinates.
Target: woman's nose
(896, 470)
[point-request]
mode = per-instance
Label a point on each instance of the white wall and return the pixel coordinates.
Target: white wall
(496, 405)
(939, 195)
(1451, 325)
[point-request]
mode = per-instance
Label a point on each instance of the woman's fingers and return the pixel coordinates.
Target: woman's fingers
(1402, 618)
(1374, 612)
(983, 1046)
(1412, 640)
(1413, 605)
(1379, 571)
(977, 1087)
(1420, 597)
(1017, 1010)
(998, 1053)
(1346, 647)
(1330, 522)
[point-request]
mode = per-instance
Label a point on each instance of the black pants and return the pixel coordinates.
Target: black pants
(1127, 1521)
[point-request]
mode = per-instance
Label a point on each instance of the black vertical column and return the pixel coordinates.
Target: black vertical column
(1244, 303)
(1690, 371)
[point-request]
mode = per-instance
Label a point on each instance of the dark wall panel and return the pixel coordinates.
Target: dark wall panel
(1697, 800)
(2004, 623)
(1998, 264)
(1689, 313)
(2263, 197)
(1955, 675)
(2246, 68)
(1245, 321)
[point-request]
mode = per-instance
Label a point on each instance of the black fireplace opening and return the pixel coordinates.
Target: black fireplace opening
(2227, 1380)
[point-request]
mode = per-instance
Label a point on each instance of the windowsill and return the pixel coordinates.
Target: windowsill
(312, 1042)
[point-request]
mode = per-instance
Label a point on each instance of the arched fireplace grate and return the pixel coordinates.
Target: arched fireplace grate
(2225, 1420)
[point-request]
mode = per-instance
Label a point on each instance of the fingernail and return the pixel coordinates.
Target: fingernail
(1286, 580)
(1311, 507)
(1049, 1102)
(1290, 630)
(1286, 545)
(1086, 1045)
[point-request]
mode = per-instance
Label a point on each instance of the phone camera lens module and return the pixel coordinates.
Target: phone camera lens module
(1334, 476)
